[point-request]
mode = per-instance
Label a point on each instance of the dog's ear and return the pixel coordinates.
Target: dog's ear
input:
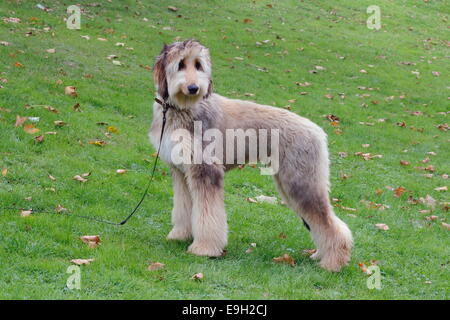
(210, 89)
(159, 74)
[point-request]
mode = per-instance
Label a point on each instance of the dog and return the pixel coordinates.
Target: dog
(183, 80)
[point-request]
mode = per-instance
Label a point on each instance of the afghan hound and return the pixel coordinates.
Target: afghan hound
(182, 75)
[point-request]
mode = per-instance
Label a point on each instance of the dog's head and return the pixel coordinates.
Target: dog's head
(182, 73)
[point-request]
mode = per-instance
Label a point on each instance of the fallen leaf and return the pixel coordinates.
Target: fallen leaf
(446, 225)
(11, 20)
(363, 267)
(197, 276)
(404, 163)
(112, 129)
(18, 65)
(70, 91)
(382, 226)
(266, 199)
(91, 241)
(39, 139)
(174, 9)
(4, 171)
(59, 123)
(51, 109)
(99, 143)
(20, 120)
(59, 208)
(444, 188)
(155, 266)
(399, 191)
(309, 252)
(26, 213)
(81, 261)
(121, 171)
(51, 50)
(79, 178)
(285, 258)
(51, 177)
(30, 129)
(248, 20)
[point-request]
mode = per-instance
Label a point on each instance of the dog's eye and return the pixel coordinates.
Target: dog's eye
(181, 65)
(198, 66)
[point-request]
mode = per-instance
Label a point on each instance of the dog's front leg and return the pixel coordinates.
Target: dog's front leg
(182, 207)
(209, 221)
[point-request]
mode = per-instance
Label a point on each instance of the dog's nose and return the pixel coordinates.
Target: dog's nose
(192, 89)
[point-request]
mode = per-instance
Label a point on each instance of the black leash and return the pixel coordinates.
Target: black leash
(165, 107)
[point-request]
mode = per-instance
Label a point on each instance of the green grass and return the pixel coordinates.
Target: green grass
(35, 251)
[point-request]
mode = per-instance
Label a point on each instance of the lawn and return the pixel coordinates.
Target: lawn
(388, 88)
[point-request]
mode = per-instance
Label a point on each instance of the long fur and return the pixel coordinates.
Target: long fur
(302, 179)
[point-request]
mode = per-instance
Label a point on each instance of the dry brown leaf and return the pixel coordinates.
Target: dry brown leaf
(446, 225)
(81, 261)
(444, 188)
(70, 91)
(309, 252)
(51, 109)
(79, 178)
(251, 200)
(382, 226)
(248, 20)
(98, 142)
(4, 171)
(59, 208)
(112, 129)
(39, 139)
(285, 258)
(20, 120)
(91, 241)
(155, 266)
(30, 129)
(404, 163)
(26, 213)
(266, 199)
(398, 192)
(121, 171)
(197, 276)
(59, 123)
(171, 8)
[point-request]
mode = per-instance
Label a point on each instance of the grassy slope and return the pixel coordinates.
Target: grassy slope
(35, 251)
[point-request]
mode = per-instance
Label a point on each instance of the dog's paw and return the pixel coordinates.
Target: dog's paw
(179, 234)
(200, 249)
(335, 261)
(316, 255)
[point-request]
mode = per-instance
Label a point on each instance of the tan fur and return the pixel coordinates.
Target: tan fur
(302, 178)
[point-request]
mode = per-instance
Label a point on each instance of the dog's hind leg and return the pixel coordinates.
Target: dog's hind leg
(303, 179)
(209, 221)
(182, 207)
